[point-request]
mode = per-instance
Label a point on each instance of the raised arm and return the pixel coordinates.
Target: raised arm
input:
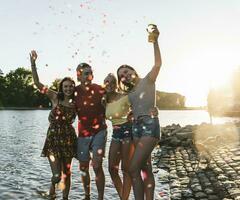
(157, 56)
(50, 93)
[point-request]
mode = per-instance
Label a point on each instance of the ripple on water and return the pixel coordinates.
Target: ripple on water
(23, 173)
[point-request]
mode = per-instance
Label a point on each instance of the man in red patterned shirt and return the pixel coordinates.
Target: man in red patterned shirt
(91, 128)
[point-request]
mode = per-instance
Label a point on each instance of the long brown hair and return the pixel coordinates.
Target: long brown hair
(60, 94)
(121, 85)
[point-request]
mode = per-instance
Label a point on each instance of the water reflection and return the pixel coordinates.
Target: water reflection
(25, 175)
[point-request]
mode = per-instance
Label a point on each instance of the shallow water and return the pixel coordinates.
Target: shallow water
(24, 174)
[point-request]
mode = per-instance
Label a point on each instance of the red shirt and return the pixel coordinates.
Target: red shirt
(91, 112)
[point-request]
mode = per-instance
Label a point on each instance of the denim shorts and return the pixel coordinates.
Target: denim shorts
(95, 144)
(146, 126)
(122, 131)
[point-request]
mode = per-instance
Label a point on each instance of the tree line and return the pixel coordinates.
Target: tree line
(17, 90)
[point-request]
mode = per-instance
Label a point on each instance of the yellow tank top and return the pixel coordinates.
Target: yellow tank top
(117, 111)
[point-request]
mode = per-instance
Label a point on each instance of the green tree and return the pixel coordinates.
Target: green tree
(165, 100)
(20, 91)
(2, 89)
(55, 84)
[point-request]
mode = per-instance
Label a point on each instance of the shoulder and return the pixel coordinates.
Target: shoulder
(148, 79)
(77, 88)
(100, 89)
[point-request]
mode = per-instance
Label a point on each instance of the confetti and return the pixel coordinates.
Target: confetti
(100, 151)
(52, 158)
(144, 175)
(61, 185)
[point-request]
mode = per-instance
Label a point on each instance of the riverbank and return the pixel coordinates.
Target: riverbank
(199, 162)
(42, 108)
(24, 108)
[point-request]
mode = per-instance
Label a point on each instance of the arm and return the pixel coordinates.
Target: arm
(157, 56)
(50, 93)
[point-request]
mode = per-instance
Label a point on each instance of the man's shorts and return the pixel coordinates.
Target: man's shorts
(95, 144)
(146, 126)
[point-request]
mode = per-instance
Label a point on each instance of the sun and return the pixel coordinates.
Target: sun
(204, 70)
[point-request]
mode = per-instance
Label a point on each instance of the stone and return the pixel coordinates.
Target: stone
(208, 191)
(200, 195)
(184, 135)
(187, 193)
(222, 177)
(213, 197)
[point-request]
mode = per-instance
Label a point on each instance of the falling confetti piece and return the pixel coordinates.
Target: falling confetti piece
(104, 52)
(149, 185)
(61, 186)
(144, 174)
(141, 95)
(44, 90)
(52, 158)
(100, 151)
(96, 126)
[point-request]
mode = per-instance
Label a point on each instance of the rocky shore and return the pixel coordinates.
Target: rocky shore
(198, 162)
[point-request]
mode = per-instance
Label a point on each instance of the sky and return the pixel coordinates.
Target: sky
(199, 40)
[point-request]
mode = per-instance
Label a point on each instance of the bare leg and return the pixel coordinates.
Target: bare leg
(84, 168)
(113, 165)
(149, 182)
(55, 165)
(142, 152)
(67, 164)
(127, 153)
(100, 177)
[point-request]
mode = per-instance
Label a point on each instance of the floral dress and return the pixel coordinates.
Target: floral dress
(61, 137)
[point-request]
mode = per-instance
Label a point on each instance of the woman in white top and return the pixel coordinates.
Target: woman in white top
(146, 128)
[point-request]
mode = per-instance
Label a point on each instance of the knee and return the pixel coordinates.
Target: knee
(125, 169)
(134, 170)
(84, 169)
(97, 169)
(147, 168)
(56, 178)
(113, 169)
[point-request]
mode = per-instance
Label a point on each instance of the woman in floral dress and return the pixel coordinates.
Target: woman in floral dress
(60, 142)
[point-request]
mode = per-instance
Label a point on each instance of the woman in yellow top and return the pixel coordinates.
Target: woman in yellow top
(121, 147)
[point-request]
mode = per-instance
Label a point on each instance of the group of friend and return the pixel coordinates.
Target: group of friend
(128, 101)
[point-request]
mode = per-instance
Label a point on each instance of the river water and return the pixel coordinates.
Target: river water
(25, 175)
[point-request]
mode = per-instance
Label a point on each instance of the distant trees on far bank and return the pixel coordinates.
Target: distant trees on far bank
(165, 100)
(17, 90)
